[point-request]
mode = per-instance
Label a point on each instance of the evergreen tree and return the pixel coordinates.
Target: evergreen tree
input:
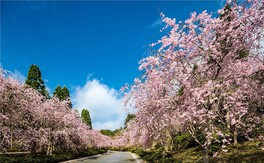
(86, 118)
(107, 132)
(62, 93)
(58, 92)
(129, 118)
(65, 92)
(34, 80)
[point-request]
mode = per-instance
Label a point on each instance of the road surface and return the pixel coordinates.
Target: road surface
(109, 157)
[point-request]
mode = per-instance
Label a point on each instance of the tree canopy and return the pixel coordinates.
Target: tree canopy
(62, 94)
(204, 80)
(34, 80)
(33, 123)
(129, 118)
(85, 115)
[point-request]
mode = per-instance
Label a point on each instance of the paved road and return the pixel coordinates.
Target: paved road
(110, 157)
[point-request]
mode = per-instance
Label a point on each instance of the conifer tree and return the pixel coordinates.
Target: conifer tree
(86, 118)
(62, 93)
(34, 80)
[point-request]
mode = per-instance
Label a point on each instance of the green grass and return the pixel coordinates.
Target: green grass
(246, 152)
(193, 154)
(28, 158)
(249, 151)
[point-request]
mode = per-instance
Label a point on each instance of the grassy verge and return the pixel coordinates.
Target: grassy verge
(250, 151)
(245, 152)
(193, 154)
(18, 158)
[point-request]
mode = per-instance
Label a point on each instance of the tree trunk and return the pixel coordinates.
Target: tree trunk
(168, 142)
(235, 136)
(205, 156)
(228, 120)
(33, 147)
(49, 149)
(52, 148)
(11, 142)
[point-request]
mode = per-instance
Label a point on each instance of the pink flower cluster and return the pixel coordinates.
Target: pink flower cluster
(29, 121)
(206, 78)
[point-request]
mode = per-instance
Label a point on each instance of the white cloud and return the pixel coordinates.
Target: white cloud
(103, 103)
(157, 23)
(18, 76)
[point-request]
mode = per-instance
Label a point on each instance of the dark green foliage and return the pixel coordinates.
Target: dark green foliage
(111, 133)
(243, 53)
(259, 76)
(226, 14)
(107, 132)
(42, 158)
(193, 154)
(183, 141)
(34, 80)
(195, 67)
(118, 131)
(181, 91)
(129, 118)
(86, 118)
(62, 93)
(210, 60)
(215, 147)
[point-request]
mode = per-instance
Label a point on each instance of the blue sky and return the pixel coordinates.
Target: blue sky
(86, 45)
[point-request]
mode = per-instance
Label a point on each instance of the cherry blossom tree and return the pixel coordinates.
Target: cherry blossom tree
(32, 122)
(202, 79)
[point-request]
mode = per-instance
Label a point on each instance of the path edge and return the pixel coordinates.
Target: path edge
(82, 158)
(137, 158)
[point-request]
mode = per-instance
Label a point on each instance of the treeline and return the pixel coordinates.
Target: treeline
(118, 132)
(35, 81)
(31, 120)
